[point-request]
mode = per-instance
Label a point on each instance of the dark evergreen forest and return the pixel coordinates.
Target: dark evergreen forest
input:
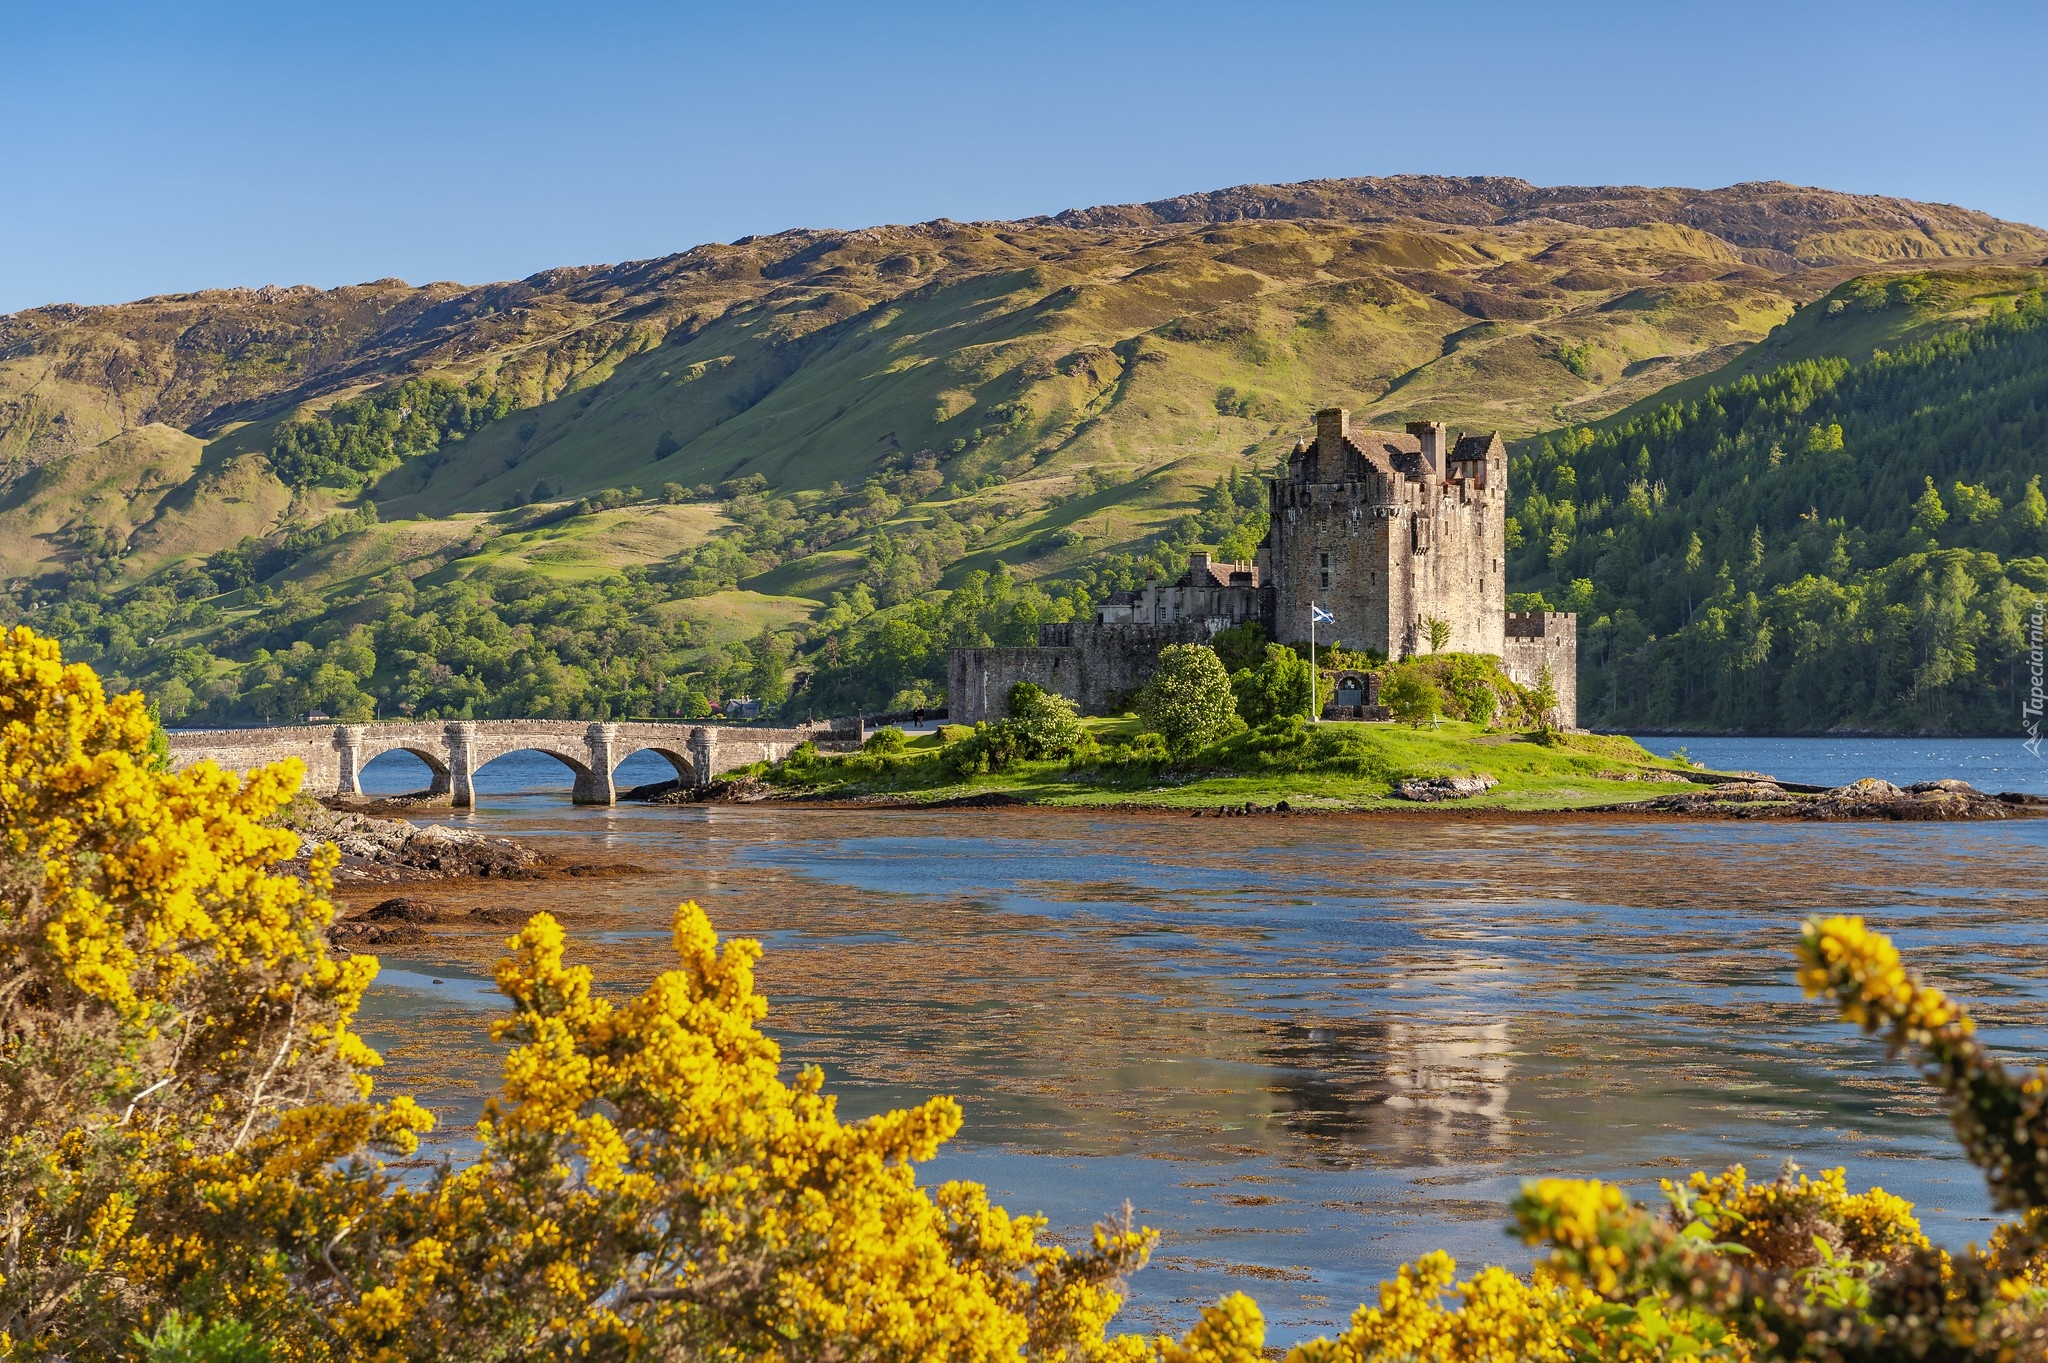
(1827, 546)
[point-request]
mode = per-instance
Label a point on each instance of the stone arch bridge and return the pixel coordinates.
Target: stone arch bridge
(334, 754)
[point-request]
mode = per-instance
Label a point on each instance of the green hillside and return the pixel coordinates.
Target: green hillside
(1830, 543)
(817, 459)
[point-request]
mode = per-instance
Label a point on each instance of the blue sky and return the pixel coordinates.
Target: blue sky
(155, 148)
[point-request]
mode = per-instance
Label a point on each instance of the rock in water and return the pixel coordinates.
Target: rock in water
(1950, 787)
(401, 910)
(374, 849)
(1868, 788)
(1869, 798)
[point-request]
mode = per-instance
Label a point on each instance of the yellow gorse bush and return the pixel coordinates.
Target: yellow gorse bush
(168, 1010)
(191, 1151)
(1796, 1221)
(189, 1128)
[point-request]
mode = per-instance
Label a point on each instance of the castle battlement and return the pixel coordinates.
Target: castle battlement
(1537, 624)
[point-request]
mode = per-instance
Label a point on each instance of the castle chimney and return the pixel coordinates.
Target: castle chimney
(1333, 424)
(1198, 567)
(1431, 434)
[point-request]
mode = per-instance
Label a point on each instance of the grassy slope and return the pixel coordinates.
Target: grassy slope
(1115, 348)
(1532, 776)
(732, 617)
(584, 547)
(1834, 325)
(1095, 343)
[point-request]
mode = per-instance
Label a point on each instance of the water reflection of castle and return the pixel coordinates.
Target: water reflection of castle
(1449, 1070)
(1397, 1086)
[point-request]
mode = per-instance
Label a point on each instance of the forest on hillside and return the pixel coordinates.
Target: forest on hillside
(522, 643)
(1824, 546)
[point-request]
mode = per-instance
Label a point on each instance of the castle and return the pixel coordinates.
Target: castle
(1390, 534)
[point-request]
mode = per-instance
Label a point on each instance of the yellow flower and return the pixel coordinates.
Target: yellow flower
(1861, 970)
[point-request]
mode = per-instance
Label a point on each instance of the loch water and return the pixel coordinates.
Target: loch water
(1305, 1049)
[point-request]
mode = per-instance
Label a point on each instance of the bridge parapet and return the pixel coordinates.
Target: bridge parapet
(334, 754)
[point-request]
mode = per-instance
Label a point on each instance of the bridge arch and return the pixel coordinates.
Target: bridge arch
(675, 754)
(588, 784)
(436, 760)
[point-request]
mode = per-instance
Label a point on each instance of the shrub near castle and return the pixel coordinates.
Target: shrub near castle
(1188, 702)
(1413, 698)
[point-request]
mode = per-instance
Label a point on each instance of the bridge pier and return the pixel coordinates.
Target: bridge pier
(594, 784)
(461, 739)
(700, 757)
(348, 746)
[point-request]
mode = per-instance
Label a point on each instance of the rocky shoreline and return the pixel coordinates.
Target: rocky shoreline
(742, 791)
(1727, 795)
(401, 921)
(1867, 799)
(384, 851)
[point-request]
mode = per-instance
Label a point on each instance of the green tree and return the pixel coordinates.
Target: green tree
(1929, 515)
(1241, 646)
(2030, 514)
(1188, 702)
(1976, 505)
(1278, 686)
(1046, 722)
(1412, 697)
(1439, 631)
(769, 678)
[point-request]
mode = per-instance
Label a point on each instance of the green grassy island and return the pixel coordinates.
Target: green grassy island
(1209, 734)
(1333, 765)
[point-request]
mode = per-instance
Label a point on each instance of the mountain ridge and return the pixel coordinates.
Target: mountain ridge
(1513, 200)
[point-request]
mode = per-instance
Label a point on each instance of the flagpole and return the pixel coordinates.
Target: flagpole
(1315, 712)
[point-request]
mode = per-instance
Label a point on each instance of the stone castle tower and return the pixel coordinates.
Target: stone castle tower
(1387, 533)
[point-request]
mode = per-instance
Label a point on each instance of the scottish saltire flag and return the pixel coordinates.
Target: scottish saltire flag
(1318, 615)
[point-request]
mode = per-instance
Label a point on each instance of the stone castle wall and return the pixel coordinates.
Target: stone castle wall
(978, 680)
(1095, 666)
(1342, 533)
(1460, 577)
(1537, 639)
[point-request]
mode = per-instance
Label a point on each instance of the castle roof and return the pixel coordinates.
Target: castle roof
(1475, 446)
(1206, 572)
(1388, 453)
